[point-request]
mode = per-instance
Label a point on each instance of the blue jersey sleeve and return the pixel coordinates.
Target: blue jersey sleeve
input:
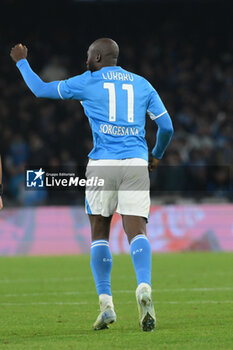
(73, 88)
(67, 89)
(155, 107)
(157, 112)
(163, 137)
(35, 84)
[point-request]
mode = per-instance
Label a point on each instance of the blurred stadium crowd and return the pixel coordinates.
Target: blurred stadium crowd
(191, 66)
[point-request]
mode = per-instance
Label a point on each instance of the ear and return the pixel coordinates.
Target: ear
(98, 57)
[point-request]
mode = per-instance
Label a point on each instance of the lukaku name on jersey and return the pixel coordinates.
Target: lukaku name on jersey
(118, 76)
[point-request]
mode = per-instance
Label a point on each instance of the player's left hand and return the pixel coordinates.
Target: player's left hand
(1, 204)
(153, 163)
(18, 52)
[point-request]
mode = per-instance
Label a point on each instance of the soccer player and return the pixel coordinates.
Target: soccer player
(116, 103)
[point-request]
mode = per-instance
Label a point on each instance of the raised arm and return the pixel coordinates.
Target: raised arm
(33, 81)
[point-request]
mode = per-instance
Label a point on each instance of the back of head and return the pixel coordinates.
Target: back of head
(101, 53)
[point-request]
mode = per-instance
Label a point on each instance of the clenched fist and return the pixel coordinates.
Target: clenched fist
(18, 52)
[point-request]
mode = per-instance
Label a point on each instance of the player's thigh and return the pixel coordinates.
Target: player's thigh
(100, 227)
(134, 208)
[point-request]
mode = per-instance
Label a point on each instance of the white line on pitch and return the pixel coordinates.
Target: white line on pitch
(52, 279)
(129, 302)
(70, 279)
(47, 303)
(166, 290)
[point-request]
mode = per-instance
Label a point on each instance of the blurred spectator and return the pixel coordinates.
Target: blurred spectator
(54, 70)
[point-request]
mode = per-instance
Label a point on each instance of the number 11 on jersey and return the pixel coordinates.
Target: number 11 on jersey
(112, 101)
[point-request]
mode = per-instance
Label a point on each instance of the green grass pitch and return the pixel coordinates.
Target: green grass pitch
(50, 303)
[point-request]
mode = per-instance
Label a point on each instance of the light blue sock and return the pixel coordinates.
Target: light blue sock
(140, 251)
(101, 265)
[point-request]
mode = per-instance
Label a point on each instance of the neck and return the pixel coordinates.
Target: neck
(104, 64)
(108, 63)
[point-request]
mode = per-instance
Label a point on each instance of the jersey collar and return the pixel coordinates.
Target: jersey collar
(109, 68)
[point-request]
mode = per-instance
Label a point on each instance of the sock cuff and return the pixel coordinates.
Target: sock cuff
(99, 242)
(140, 236)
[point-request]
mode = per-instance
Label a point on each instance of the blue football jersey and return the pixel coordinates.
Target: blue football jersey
(115, 102)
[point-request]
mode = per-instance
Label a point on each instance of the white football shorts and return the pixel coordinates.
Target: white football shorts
(125, 190)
